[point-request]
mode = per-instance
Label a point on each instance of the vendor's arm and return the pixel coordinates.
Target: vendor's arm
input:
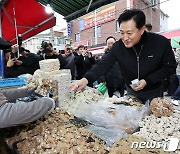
(12, 94)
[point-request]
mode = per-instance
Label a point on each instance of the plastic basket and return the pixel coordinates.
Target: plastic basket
(9, 82)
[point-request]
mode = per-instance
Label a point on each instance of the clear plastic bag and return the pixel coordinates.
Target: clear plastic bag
(108, 135)
(113, 116)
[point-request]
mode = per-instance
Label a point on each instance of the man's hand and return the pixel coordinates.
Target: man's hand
(84, 53)
(142, 84)
(18, 62)
(10, 62)
(78, 85)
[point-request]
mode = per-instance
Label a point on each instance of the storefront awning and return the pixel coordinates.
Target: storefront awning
(171, 34)
(72, 9)
(29, 16)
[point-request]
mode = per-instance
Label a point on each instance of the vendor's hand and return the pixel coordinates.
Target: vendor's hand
(142, 84)
(79, 85)
(10, 62)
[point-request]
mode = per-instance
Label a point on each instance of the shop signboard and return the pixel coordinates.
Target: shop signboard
(101, 17)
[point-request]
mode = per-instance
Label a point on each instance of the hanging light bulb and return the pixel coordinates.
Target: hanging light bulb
(49, 9)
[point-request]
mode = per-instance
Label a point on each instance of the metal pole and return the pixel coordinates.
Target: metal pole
(15, 25)
(89, 6)
(95, 26)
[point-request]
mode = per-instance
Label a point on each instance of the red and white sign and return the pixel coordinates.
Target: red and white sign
(85, 43)
(97, 50)
(103, 16)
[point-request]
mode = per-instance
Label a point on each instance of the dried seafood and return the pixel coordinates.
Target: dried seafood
(161, 107)
(159, 129)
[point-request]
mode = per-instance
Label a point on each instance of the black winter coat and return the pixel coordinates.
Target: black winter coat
(83, 64)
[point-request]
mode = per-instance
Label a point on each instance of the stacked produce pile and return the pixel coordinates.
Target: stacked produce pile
(49, 65)
(48, 78)
(164, 123)
(55, 134)
(77, 102)
(123, 146)
(159, 129)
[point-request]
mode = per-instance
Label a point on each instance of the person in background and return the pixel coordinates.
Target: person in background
(13, 114)
(145, 59)
(12, 66)
(176, 96)
(177, 57)
(83, 61)
(29, 61)
(172, 82)
(69, 56)
(113, 78)
(148, 27)
(48, 53)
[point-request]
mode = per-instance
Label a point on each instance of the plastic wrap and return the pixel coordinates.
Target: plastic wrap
(108, 135)
(113, 116)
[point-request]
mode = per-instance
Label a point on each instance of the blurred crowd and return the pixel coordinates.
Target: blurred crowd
(25, 62)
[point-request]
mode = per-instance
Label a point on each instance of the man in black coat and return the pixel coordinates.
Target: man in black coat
(69, 56)
(147, 57)
(113, 78)
(49, 54)
(83, 61)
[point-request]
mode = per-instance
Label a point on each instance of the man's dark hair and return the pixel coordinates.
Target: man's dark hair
(148, 27)
(46, 51)
(50, 44)
(81, 46)
(22, 49)
(137, 15)
(44, 44)
(110, 38)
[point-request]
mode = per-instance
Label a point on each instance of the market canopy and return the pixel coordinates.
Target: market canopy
(72, 9)
(29, 16)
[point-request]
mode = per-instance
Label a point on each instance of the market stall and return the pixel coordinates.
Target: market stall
(89, 122)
